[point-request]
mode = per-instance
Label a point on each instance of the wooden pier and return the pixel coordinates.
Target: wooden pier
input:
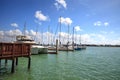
(12, 51)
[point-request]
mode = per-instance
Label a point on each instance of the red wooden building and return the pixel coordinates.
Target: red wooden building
(11, 51)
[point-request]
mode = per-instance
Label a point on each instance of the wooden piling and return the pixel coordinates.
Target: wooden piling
(6, 62)
(13, 66)
(67, 46)
(73, 45)
(57, 46)
(29, 62)
(16, 60)
(0, 63)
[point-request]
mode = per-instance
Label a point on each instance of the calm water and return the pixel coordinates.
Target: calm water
(94, 63)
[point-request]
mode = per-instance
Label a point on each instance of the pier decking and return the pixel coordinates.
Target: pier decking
(12, 51)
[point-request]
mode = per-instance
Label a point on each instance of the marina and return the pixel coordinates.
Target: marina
(59, 40)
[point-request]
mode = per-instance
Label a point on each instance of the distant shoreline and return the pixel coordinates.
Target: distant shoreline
(94, 45)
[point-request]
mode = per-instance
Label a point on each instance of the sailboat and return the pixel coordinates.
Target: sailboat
(67, 46)
(38, 49)
(78, 46)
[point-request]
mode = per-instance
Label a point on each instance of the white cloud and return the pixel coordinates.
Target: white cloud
(102, 37)
(48, 37)
(112, 32)
(1, 34)
(64, 37)
(12, 33)
(9, 33)
(27, 32)
(103, 32)
(66, 21)
(57, 6)
(86, 39)
(63, 34)
(77, 28)
(33, 33)
(60, 3)
(90, 39)
(14, 24)
(99, 23)
(8, 36)
(106, 24)
(17, 32)
(38, 22)
(40, 16)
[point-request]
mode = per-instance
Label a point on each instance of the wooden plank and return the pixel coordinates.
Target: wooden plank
(14, 50)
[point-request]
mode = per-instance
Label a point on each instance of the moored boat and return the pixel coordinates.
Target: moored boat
(24, 39)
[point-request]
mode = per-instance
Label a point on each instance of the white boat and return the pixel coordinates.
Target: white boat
(80, 47)
(37, 49)
(24, 39)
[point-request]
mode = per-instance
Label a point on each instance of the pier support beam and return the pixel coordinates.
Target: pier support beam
(17, 61)
(0, 63)
(6, 62)
(13, 66)
(29, 62)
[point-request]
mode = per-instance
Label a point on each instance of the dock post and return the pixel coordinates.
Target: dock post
(73, 45)
(57, 46)
(67, 46)
(16, 60)
(0, 63)
(29, 62)
(6, 62)
(13, 66)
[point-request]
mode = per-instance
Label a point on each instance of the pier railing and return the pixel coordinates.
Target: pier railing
(9, 50)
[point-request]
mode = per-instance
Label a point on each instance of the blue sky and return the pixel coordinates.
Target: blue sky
(96, 20)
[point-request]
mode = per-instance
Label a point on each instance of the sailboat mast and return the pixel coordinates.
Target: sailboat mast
(24, 31)
(48, 35)
(73, 39)
(42, 37)
(35, 38)
(73, 36)
(60, 33)
(80, 39)
(68, 32)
